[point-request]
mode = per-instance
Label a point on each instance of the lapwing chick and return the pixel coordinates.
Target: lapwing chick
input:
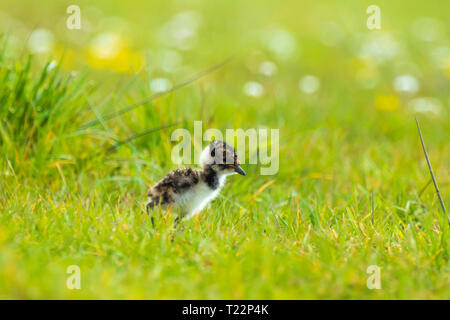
(186, 191)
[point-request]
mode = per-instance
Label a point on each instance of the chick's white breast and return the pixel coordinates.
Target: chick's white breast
(192, 201)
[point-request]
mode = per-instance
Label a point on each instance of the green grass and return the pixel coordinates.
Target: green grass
(307, 232)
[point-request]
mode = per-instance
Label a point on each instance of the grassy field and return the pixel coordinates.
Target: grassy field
(352, 188)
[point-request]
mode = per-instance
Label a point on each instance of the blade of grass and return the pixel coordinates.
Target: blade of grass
(430, 168)
(140, 134)
(425, 187)
(157, 95)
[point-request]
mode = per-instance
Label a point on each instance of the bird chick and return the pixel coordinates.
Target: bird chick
(187, 191)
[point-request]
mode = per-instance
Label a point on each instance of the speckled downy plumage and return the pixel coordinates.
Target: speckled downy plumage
(186, 191)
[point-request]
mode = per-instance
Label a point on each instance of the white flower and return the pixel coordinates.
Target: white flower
(253, 89)
(41, 41)
(169, 60)
(381, 47)
(406, 83)
(268, 68)
(426, 105)
(52, 65)
(280, 41)
(160, 85)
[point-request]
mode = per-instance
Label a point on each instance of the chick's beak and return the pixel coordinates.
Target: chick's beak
(239, 170)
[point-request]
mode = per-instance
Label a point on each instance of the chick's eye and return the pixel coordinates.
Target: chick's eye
(213, 152)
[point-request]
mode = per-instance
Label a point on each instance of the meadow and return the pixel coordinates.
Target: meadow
(86, 118)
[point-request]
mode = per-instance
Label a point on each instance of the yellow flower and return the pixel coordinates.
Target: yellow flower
(318, 175)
